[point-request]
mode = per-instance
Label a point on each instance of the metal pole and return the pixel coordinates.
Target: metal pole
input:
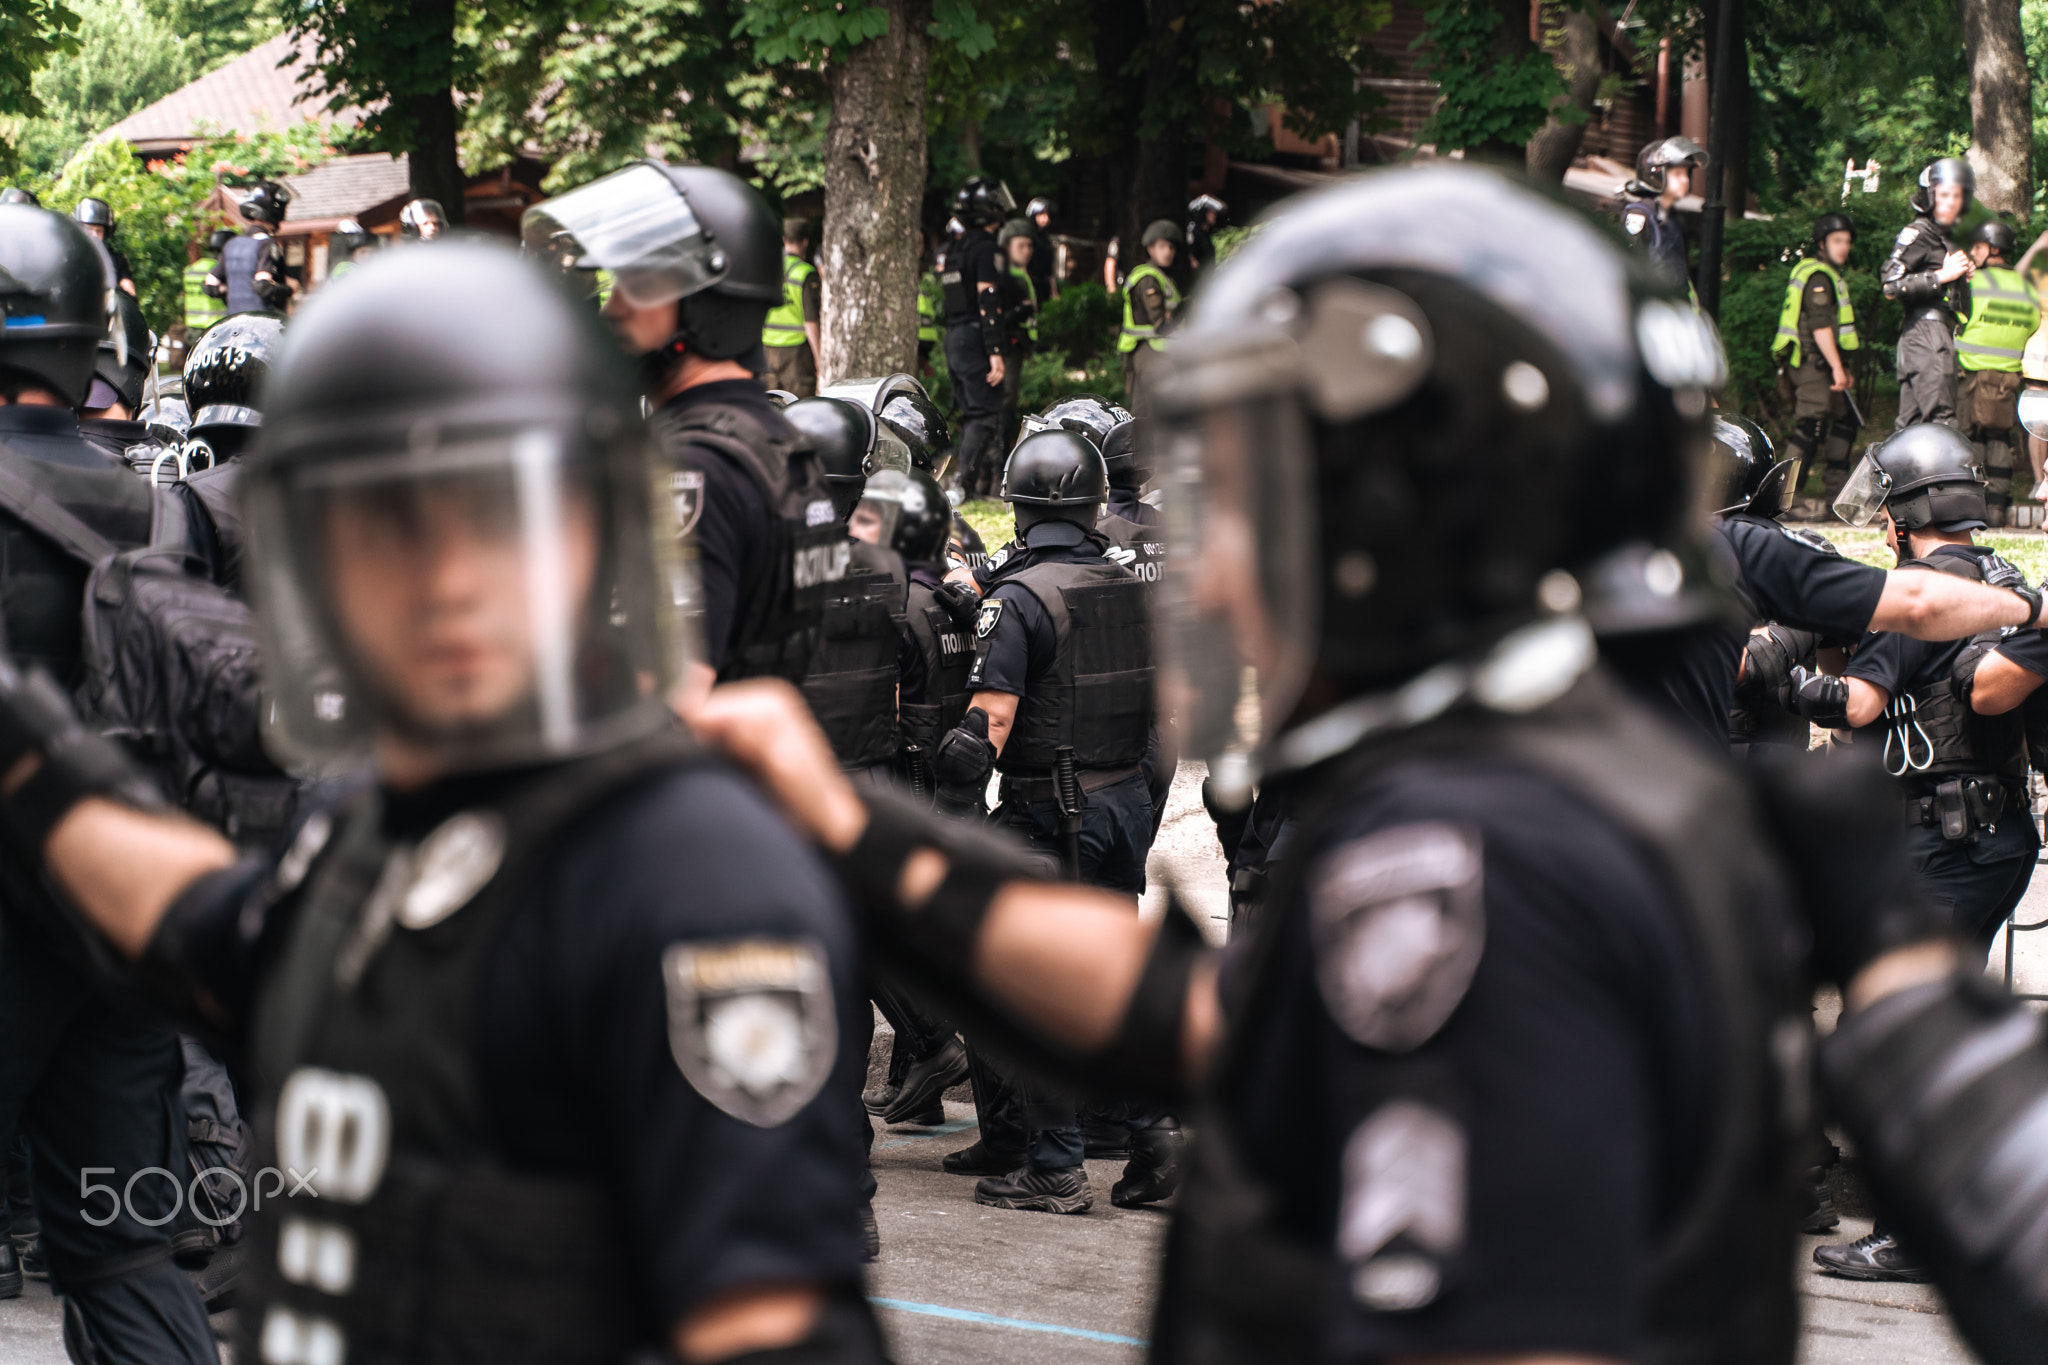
(1728, 49)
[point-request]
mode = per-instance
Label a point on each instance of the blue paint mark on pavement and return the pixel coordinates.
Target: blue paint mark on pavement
(949, 1126)
(934, 1310)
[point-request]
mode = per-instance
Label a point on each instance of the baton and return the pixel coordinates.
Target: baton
(1855, 413)
(1067, 792)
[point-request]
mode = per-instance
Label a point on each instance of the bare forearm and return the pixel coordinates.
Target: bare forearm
(1866, 702)
(1934, 606)
(123, 868)
(1824, 338)
(2000, 685)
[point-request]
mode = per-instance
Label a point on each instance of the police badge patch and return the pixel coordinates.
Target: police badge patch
(1634, 222)
(985, 623)
(751, 1023)
(1399, 926)
(687, 487)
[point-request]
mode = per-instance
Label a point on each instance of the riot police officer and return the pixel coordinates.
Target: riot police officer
(1489, 1173)
(548, 927)
(695, 254)
(423, 220)
(344, 245)
(224, 379)
(1928, 275)
(971, 280)
(1150, 301)
(97, 219)
(1044, 279)
(91, 1081)
(251, 277)
(1205, 215)
(1990, 348)
(120, 369)
(1816, 330)
(1663, 177)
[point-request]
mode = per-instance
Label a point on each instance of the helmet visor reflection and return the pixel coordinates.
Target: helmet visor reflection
(1863, 494)
(634, 224)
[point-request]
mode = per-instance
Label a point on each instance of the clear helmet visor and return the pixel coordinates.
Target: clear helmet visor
(633, 224)
(1240, 596)
(2034, 412)
(491, 601)
(1864, 493)
(875, 520)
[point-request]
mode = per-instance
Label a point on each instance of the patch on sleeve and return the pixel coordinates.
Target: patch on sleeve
(751, 1023)
(686, 486)
(1635, 222)
(1399, 927)
(1908, 235)
(1403, 1205)
(1811, 540)
(991, 613)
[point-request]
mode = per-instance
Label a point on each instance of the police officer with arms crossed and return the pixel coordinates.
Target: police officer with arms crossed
(695, 258)
(1816, 329)
(90, 1080)
(251, 277)
(1150, 301)
(1990, 348)
(1650, 218)
(1928, 274)
(1492, 1175)
(790, 335)
(971, 279)
(548, 910)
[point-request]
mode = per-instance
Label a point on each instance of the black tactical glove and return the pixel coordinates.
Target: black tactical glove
(1819, 697)
(960, 602)
(2000, 574)
(50, 761)
(961, 765)
(1769, 657)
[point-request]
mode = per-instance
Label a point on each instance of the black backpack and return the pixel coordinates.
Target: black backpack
(170, 667)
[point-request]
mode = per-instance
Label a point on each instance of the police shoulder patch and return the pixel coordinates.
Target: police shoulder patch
(1812, 540)
(751, 1023)
(1908, 235)
(1399, 926)
(985, 621)
(1635, 221)
(686, 486)
(1403, 1209)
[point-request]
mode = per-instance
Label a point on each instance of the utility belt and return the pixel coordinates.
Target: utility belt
(1040, 787)
(1936, 313)
(1962, 806)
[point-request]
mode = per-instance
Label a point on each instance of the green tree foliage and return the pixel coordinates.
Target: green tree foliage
(31, 33)
(1482, 100)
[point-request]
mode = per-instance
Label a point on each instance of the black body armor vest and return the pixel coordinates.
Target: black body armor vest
(1139, 548)
(1932, 733)
(963, 307)
(851, 687)
(1239, 1288)
(948, 653)
(42, 584)
(421, 1247)
(777, 625)
(240, 259)
(1097, 697)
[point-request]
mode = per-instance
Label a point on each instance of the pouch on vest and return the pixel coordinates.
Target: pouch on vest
(1994, 399)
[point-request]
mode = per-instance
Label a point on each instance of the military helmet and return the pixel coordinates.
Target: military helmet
(1660, 156)
(1012, 230)
(911, 430)
(781, 398)
(218, 240)
(915, 516)
(122, 364)
(266, 202)
(225, 375)
(842, 435)
(1997, 234)
(1125, 455)
(1829, 223)
(93, 212)
(1411, 423)
(1925, 475)
(56, 300)
(526, 441)
(1751, 478)
(983, 200)
(1161, 230)
(1055, 475)
(14, 194)
(417, 217)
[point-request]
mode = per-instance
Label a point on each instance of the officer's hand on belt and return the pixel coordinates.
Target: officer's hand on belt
(959, 599)
(1820, 697)
(962, 765)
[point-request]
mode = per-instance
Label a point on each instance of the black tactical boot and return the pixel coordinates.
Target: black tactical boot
(878, 1100)
(1820, 1204)
(1154, 1170)
(981, 1159)
(10, 1270)
(871, 1234)
(1875, 1257)
(926, 1082)
(1031, 1189)
(29, 1252)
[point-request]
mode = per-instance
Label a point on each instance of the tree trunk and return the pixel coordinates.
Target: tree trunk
(1555, 144)
(874, 189)
(1735, 174)
(1159, 180)
(432, 168)
(1119, 34)
(2001, 104)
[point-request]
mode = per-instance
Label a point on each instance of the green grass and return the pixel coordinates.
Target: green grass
(993, 520)
(2028, 551)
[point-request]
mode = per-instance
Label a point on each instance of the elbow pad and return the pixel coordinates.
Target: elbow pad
(1944, 1088)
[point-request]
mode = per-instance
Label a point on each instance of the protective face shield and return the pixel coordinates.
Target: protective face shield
(1864, 494)
(634, 223)
(422, 218)
(2034, 412)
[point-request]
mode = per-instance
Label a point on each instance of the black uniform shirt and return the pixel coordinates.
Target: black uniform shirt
(1015, 644)
(1901, 664)
(731, 521)
(1655, 231)
(1127, 504)
(1576, 1068)
(1911, 274)
(573, 1058)
(2028, 649)
(979, 262)
(911, 676)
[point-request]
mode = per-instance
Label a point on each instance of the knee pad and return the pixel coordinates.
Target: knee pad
(1807, 435)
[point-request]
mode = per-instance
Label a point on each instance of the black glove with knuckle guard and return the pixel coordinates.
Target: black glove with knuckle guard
(960, 602)
(1998, 573)
(1819, 697)
(1769, 656)
(962, 764)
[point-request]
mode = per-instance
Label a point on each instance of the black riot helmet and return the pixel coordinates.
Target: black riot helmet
(519, 457)
(225, 376)
(911, 430)
(983, 201)
(423, 220)
(696, 236)
(1088, 413)
(56, 301)
(219, 240)
(1206, 203)
(1829, 223)
(122, 366)
(1751, 478)
(92, 212)
(266, 203)
(843, 436)
(1949, 170)
(1660, 156)
(913, 513)
(1055, 475)
(1127, 457)
(1997, 234)
(1926, 476)
(14, 194)
(1411, 423)
(1041, 204)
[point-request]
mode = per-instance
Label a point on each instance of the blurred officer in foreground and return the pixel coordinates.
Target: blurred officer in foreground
(251, 277)
(1991, 348)
(1150, 301)
(1928, 275)
(1650, 218)
(120, 369)
(88, 1079)
(1492, 1174)
(224, 380)
(1816, 329)
(695, 258)
(485, 999)
(791, 334)
(98, 220)
(971, 278)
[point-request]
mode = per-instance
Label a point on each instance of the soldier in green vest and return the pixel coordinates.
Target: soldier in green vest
(1150, 298)
(2003, 316)
(1816, 327)
(791, 332)
(202, 309)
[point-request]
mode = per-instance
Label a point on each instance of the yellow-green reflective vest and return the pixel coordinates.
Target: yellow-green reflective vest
(2003, 315)
(1788, 316)
(785, 324)
(202, 310)
(1023, 277)
(1133, 333)
(928, 307)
